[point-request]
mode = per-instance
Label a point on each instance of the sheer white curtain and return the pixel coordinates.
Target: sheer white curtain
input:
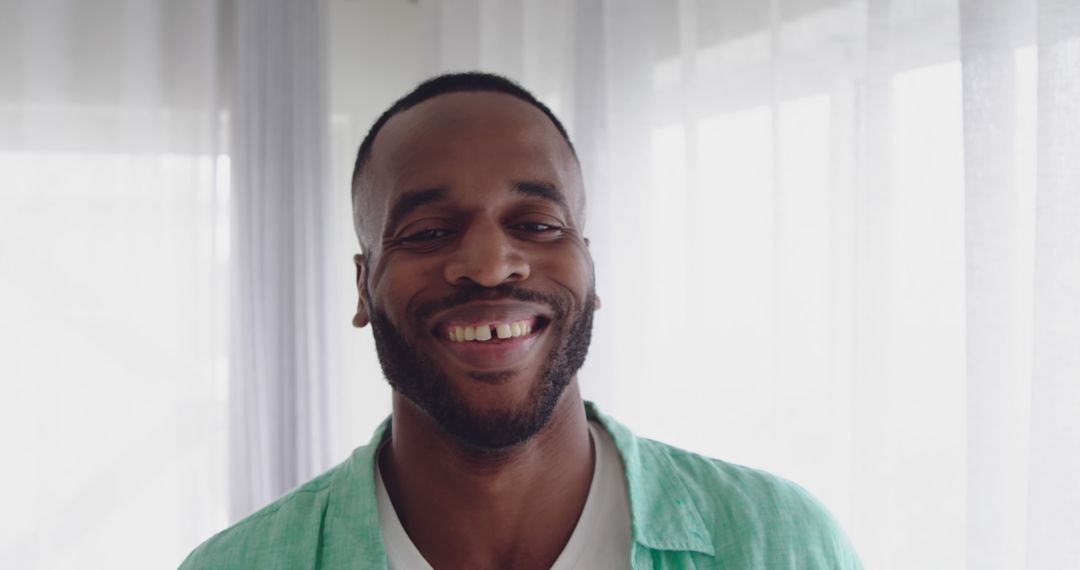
(114, 189)
(834, 239)
(279, 374)
(162, 205)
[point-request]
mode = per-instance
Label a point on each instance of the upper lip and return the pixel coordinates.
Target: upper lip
(489, 312)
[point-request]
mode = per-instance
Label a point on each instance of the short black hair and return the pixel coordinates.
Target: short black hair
(451, 83)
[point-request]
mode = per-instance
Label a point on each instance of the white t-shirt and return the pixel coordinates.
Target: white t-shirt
(601, 538)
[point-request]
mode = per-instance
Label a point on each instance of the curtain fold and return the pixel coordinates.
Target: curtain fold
(999, 219)
(1054, 460)
(280, 163)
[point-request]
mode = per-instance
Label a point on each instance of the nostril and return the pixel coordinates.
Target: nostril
(486, 257)
(491, 275)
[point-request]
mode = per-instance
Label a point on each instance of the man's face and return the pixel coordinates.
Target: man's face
(479, 208)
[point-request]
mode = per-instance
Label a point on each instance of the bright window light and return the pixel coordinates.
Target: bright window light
(114, 422)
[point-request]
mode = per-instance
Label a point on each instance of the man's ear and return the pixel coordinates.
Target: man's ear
(362, 317)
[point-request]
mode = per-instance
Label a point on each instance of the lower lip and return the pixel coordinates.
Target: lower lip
(493, 355)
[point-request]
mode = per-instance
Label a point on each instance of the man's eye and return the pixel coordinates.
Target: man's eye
(425, 235)
(538, 227)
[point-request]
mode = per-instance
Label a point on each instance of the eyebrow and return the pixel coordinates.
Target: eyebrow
(410, 201)
(542, 190)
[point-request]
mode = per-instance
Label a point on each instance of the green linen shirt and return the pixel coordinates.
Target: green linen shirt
(687, 511)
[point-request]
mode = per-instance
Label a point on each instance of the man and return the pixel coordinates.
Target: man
(478, 284)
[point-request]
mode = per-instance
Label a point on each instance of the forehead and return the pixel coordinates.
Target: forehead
(470, 140)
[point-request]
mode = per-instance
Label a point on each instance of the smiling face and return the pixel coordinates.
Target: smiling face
(479, 286)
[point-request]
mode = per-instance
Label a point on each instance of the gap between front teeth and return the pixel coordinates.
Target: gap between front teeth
(484, 333)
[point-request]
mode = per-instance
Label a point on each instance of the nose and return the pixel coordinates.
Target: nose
(486, 256)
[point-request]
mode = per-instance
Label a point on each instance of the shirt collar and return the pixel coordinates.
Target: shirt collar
(664, 514)
(351, 533)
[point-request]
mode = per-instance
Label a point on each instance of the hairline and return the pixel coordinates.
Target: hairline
(364, 154)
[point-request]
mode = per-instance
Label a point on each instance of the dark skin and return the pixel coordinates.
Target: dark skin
(465, 507)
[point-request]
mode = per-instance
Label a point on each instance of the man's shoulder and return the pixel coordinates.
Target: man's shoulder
(712, 481)
(751, 515)
(287, 529)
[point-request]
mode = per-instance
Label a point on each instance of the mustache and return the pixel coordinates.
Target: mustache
(505, 292)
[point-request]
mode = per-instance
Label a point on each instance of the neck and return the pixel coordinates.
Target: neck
(464, 507)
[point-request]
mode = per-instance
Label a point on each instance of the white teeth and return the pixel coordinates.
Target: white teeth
(485, 332)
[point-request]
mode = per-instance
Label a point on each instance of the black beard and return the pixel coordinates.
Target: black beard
(415, 376)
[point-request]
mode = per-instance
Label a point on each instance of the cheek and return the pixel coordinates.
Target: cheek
(573, 270)
(399, 281)
(389, 287)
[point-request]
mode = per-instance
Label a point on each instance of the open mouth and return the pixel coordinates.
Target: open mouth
(492, 336)
(491, 332)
